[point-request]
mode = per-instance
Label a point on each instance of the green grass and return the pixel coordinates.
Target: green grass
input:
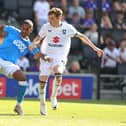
(70, 113)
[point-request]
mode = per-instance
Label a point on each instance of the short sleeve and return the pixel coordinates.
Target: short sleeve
(9, 29)
(43, 31)
(35, 51)
(72, 31)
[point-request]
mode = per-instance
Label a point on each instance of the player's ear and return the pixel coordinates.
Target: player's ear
(31, 30)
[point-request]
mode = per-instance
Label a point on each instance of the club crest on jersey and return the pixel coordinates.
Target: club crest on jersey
(64, 31)
(49, 30)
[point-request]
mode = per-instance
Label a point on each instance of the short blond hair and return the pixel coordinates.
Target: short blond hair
(28, 21)
(56, 11)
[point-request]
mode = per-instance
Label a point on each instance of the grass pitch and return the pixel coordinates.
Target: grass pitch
(69, 113)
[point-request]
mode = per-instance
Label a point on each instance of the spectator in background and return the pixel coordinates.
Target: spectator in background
(116, 5)
(76, 8)
(122, 51)
(41, 9)
(74, 67)
(106, 21)
(23, 63)
(75, 20)
(64, 7)
(122, 56)
(120, 22)
(106, 6)
(51, 3)
(124, 35)
(119, 5)
(105, 39)
(92, 34)
(110, 59)
(89, 19)
(91, 5)
(123, 4)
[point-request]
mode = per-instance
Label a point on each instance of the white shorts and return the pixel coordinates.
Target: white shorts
(8, 68)
(46, 68)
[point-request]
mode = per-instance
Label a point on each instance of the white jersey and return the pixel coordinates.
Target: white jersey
(57, 41)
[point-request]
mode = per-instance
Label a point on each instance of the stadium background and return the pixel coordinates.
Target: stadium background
(14, 11)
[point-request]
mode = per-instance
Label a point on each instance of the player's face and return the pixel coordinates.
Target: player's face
(25, 30)
(54, 20)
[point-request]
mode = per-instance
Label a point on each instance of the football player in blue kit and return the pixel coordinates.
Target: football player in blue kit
(14, 44)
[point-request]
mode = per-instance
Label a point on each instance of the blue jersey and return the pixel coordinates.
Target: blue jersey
(14, 46)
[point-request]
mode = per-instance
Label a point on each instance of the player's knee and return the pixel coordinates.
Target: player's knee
(19, 75)
(42, 84)
(58, 69)
(23, 78)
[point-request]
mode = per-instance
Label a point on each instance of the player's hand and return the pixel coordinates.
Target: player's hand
(99, 52)
(47, 58)
(31, 47)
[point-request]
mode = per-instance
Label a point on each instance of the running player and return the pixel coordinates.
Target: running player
(13, 45)
(56, 37)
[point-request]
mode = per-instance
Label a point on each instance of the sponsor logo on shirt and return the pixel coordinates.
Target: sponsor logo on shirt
(20, 45)
(55, 45)
(55, 41)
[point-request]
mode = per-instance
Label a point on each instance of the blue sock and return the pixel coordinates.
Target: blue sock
(21, 91)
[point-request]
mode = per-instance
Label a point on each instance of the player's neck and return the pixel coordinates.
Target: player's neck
(56, 24)
(25, 37)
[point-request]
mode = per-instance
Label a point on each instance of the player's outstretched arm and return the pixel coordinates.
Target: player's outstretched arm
(35, 42)
(86, 41)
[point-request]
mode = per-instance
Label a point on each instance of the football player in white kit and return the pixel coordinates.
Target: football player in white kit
(56, 43)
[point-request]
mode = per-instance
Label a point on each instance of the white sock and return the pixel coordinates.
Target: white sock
(42, 99)
(18, 104)
(43, 95)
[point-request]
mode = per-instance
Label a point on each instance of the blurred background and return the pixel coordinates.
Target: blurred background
(102, 21)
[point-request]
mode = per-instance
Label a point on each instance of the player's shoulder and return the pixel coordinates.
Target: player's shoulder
(46, 26)
(13, 28)
(65, 24)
